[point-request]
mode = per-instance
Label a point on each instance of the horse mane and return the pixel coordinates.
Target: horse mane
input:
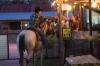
(31, 28)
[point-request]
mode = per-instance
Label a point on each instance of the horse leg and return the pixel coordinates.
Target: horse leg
(21, 49)
(46, 50)
(21, 58)
(34, 59)
(29, 55)
(42, 53)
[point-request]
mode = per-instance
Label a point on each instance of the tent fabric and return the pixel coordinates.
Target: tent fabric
(22, 15)
(15, 16)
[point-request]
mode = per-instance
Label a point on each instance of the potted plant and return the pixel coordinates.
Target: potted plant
(53, 41)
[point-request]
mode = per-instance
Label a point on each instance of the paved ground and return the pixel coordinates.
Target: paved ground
(13, 54)
(46, 62)
(9, 63)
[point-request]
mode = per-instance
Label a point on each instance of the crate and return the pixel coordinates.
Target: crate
(84, 60)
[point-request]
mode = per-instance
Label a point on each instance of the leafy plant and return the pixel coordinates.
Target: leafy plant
(52, 39)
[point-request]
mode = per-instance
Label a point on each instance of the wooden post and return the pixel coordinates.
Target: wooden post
(90, 18)
(60, 15)
(81, 17)
(90, 27)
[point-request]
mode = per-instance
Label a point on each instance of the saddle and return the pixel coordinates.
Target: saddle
(36, 31)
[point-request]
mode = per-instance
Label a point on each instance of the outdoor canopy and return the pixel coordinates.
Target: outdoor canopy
(22, 15)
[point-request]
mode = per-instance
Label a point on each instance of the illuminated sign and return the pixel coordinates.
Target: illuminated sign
(66, 33)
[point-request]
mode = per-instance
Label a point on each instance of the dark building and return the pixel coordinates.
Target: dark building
(16, 13)
(23, 5)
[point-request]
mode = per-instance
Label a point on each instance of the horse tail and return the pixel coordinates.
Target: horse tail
(21, 48)
(22, 42)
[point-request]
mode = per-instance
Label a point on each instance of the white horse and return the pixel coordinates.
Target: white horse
(27, 40)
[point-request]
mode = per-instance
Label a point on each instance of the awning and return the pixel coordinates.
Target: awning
(15, 16)
(22, 15)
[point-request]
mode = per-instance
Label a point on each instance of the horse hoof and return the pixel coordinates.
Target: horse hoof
(19, 62)
(27, 61)
(46, 57)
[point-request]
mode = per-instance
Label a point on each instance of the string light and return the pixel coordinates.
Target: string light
(85, 4)
(53, 3)
(26, 25)
(75, 3)
(65, 0)
(94, 5)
